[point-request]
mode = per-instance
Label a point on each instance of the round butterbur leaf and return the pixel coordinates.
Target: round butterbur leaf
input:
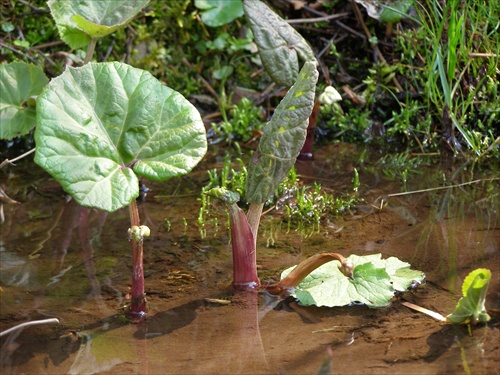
(101, 125)
(216, 13)
(80, 21)
(20, 83)
(374, 282)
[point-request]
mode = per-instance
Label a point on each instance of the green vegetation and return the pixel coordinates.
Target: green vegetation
(373, 282)
(470, 308)
(312, 204)
(102, 125)
(441, 84)
(302, 207)
(434, 82)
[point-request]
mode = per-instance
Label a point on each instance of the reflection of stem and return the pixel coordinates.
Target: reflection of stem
(34, 254)
(138, 300)
(88, 252)
(306, 267)
(248, 348)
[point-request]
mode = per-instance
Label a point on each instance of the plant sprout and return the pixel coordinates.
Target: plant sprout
(101, 126)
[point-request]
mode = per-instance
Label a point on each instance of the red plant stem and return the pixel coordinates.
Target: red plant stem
(244, 254)
(305, 268)
(306, 153)
(138, 300)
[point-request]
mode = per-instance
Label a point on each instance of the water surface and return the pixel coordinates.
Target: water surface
(60, 260)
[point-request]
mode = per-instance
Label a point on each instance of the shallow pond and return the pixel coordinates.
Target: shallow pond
(59, 260)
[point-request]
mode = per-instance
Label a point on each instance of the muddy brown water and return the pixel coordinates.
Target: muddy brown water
(59, 260)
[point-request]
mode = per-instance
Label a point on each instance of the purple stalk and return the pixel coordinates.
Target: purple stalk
(138, 299)
(306, 267)
(244, 250)
(306, 153)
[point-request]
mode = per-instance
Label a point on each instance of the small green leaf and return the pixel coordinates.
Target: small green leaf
(470, 307)
(80, 21)
(97, 122)
(19, 83)
(227, 196)
(280, 45)
(7, 27)
(283, 138)
(401, 275)
(219, 12)
(395, 11)
(224, 72)
(374, 282)
(22, 43)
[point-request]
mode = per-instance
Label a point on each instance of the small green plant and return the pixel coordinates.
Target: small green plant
(399, 166)
(470, 308)
(245, 121)
(278, 149)
(313, 203)
(225, 42)
(101, 126)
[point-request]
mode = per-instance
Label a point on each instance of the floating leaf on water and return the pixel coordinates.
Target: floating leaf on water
(374, 282)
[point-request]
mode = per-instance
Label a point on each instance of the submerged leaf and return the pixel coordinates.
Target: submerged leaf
(280, 45)
(19, 82)
(79, 21)
(283, 138)
(374, 282)
(97, 122)
(470, 307)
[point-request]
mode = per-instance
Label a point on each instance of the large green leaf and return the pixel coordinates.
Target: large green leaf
(80, 21)
(19, 84)
(219, 12)
(280, 45)
(283, 137)
(470, 307)
(374, 282)
(97, 122)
